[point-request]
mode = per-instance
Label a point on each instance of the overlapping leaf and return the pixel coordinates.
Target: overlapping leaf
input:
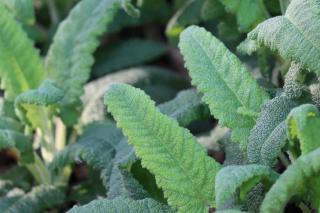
(230, 91)
(165, 149)
(23, 9)
(295, 34)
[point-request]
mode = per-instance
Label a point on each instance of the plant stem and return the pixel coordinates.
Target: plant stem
(39, 171)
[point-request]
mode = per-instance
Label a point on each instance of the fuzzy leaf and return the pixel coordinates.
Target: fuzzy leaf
(294, 181)
(23, 9)
(295, 34)
(293, 86)
(30, 102)
(185, 107)
(226, 84)
(122, 205)
(69, 59)
(303, 125)
(268, 136)
(20, 65)
(233, 178)
(40, 198)
(248, 13)
(170, 152)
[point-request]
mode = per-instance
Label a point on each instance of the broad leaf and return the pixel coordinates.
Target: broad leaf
(20, 65)
(23, 9)
(229, 89)
(180, 165)
(293, 182)
(295, 34)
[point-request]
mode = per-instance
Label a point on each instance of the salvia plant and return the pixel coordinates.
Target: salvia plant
(96, 125)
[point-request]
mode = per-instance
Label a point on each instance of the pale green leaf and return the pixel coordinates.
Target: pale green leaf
(231, 180)
(122, 205)
(293, 182)
(269, 134)
(227, 85)
(181, 166)
(23, 9)
(20, 65)
(295, 34)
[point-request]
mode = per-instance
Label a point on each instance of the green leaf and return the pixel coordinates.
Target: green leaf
(123, 184)
(10, 123)
(180, 165)
(226, 84)
(233, 154)
(229, 211)
(23, 9)
(230, 179)
(294, 79)
(39, 199)
(69, 59)
(122, 205)
(31, 103)
(211, 9)
(294, 35)
(303, 125)
(269, 134)
(293, 182)
(248, 13)
(119, 56)
(20, 65)
(185, 107)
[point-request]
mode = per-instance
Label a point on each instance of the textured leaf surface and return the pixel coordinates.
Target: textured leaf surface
(185, 107)
(120, 56)
(40, 198)
(248, 13)
(229, 89)
(23, 9)
(294, 181)
(233, 178)
(69, 59)
(122, 205)
(268, 136)
(28, 103)
(20, 65)
(295, 34)
(293, 86)
(170, 152)
(303, 125)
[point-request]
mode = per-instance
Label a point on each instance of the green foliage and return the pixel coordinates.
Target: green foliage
(227, 85)
(23, 9)
(232, 180)
(165, 151)
(70, 56)
(122, 205)
(293, 35)
(269, 134)
(20, 68)
(248, 13)
(293, 182)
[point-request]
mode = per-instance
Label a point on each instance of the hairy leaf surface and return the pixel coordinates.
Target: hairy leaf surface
(294, 181)
(243, 178)
(230, 91)
(295, 34)
(268, 136)
(20, 65)
(180, 164)
(69, 59)
(122, 205)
